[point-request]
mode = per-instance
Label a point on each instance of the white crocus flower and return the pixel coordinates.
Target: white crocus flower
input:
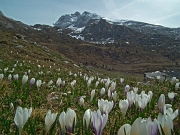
(161, 102)
(62, 121)
(38, 84)
(21, 117)
(49, 120)
(1, 77)
(70, 120)
(24, 79)
(102, 92)
(123, 105)
(81, 101)
(105, 105)
(135, 89)
(166, 124)
(171, 114)
(139, 127)
(124, 128)
(49, 83)
(171, 95)
(92, 94)
(9, 77)
(87, 118)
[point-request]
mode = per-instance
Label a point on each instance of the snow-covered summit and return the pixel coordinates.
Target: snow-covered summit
(77, 19)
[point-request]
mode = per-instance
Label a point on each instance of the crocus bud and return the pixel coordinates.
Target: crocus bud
(121, 80)
(102, 92)
(32, 81)
(81, 101)
(87, 118)
(123, 105)
(127, 88)
(92, 94)
(49, 83)
(177, 86)
(9, 77)
(1, 77)
(24, 79)
(38, 84)
(62, 121)
(171, 95)
(11, 107)
(49, 120)
(58, 82)
(161, 103)
(16, 76)
(70, 120)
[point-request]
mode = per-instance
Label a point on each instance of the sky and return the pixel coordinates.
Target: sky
(159, 12)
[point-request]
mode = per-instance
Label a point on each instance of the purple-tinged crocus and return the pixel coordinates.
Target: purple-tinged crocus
(99, 121)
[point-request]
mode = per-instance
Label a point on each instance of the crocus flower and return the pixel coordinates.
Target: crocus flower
(113, 86)
(38, 84)
(32, 81)
(152, 126)
(123, 105)
(114, 96)
(70, 120)
(1, 76)
(105, 105)
(177, 86)
(102, 92)
(131, 97)
(89, 82)
(161, 103)
(6, 69)
(135, 89)
(171, 114)
(9, 77)
(49, 83)
(150, 93)
(24, 79)
(21, 117)
(142, 103)
(81, 101)
(171, 95)
(63, 83)
(11, 107)
(139, 127)
(127, 88)
(99, 121)
(124, 129)
(97, 83)
(92, 94)
(121, 80)
(16, 76)
(58, 82)
(166, 124)
(87, 118)
(49, 120)
(62, 121)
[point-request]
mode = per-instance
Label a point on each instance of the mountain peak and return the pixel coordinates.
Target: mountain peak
(76, 20)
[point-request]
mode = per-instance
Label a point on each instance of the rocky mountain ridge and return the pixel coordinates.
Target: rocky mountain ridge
(79, 23)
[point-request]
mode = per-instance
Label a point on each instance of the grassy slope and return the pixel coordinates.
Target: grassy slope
(40, 99)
